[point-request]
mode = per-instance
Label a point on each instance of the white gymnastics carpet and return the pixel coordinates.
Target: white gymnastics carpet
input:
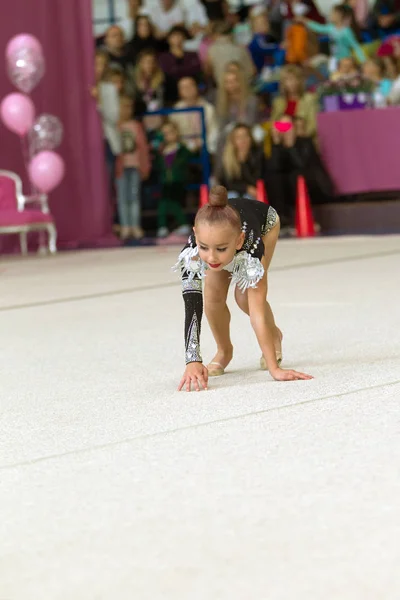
(114, 486)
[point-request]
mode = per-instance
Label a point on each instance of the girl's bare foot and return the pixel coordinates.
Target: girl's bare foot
(219, 363)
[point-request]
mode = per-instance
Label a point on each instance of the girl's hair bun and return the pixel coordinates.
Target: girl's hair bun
(218, 196)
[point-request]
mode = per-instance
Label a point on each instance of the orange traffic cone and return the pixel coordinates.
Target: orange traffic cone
(261, 192)
(203, 195)
(304, 217)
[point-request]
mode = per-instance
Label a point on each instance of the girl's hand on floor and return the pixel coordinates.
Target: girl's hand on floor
(195, 374)
(287, 375)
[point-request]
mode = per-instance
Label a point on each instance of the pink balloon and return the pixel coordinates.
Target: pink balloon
(23, 41)
(26, 68)
(46, 171)
(17, 113)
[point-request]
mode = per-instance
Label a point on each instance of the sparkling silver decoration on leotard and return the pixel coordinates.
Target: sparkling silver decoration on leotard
(192, 353)
(189, 261)
(271, 221)
(246, 270)
(194, 285)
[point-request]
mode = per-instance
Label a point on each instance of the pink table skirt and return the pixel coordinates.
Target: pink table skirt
(361, 149)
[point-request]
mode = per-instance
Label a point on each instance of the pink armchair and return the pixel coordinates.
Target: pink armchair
(14, 218)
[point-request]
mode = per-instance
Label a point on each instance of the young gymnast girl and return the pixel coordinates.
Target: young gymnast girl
(235, 242)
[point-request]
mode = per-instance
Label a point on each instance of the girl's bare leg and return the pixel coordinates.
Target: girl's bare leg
(269, 240)
(216, 286)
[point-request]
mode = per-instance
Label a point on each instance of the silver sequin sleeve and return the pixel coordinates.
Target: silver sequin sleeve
(192, 291)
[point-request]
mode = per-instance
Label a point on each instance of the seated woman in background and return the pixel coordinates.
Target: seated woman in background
(148, 87)
(144, 39)
(294, 154)
(114, 46)
(294, 101)
(243, 163)
(178, 63)
(235, 102)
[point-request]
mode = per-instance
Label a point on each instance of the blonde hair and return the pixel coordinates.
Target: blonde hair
(222, 95)
(294, 71)
(230, 160)
(158, 76)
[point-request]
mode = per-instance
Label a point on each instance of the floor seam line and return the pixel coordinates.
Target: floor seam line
(188, 427)
(177, 283)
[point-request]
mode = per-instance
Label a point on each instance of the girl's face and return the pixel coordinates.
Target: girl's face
(115, 39)
(291, 84)
(233, 67)
(170, 134)
(147, 65)
(371, 70)
(143, 28)
(176, 40)
(347, 66)
(126, 109)
(241, 140)
(336, 18)
(118, 81)
(260, 24)
(100, 63)
(217, 244)
(390, 67)
(232, 85)
(188, 91)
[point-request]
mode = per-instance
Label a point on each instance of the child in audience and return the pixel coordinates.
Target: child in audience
(346, 70)
(263, 44)
(117, 76)
(340, 33)
(133, 166)
(373, 70)
(172, 165)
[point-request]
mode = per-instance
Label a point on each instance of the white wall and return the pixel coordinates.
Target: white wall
(100, 11)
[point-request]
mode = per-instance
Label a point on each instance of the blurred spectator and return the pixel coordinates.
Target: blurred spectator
(243, 162)
(235, 103)
(361, 12)
(106, 96)
(390, 67)
(128, 25)
(281, 14)
(294, 101)
(165, 14)
(114, 45)
(144, 39)
(339, 32)
(263, 44)
(394, 96)
(177, 63)
(189, 124)
(373, 71)
(347, 69)
(172, 166)
(294, 154)
(297, 43)
(117, 76)
(132, 167)
(224, 51)
(387, 15)
(216, 9)
(148, 83)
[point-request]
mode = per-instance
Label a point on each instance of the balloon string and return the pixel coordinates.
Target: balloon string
(26, 158)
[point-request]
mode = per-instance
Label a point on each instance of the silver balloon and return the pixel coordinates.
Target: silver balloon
(26, 68)
(46, 134)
